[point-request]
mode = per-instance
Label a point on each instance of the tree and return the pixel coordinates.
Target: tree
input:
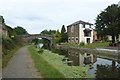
(57, 37)
(107, 22)
(10, 31)
(50, 32)
(64, 36)
(20, 31)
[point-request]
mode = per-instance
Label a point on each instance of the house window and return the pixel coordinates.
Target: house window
(90, 26)
(72, 29)
(69, 39)
(87, 32)
(83, 25)
(72, 38)
(76, 38)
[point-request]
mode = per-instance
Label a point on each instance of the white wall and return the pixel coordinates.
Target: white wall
(82, 38)
(119, 3)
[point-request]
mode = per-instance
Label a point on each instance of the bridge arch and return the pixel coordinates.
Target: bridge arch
(30, 37)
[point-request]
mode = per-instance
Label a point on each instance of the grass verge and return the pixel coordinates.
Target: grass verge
(50, 65)
(6, 58)
(92, 45)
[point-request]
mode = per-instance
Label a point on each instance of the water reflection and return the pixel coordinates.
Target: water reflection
(99, 67)
(107, 71)
(81, 59)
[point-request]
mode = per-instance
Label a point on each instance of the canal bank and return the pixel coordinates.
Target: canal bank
(101, 63)
(52, 65)
(113, 55)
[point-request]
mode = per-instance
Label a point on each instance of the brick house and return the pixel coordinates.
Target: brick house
(80, 31)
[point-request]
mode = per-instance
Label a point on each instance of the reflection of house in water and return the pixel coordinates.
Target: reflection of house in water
(81, 59)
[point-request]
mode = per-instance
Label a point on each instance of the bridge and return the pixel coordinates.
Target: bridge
(30, 37)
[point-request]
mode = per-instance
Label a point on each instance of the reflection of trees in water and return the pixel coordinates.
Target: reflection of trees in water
(108, 71)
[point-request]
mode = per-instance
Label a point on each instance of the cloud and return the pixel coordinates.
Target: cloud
(37, 15)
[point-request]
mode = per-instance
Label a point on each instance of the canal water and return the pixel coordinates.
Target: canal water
(98, 67)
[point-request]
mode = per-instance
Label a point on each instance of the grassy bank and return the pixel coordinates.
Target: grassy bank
(92, 45)
(6, 58)
(50, 65)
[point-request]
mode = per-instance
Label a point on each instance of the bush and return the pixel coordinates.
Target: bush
(40, 51)
(82, 44)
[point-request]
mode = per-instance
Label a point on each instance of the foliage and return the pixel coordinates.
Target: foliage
(64, 36)
(82, 44)
(104, 71)
(108, 21)
(57, 37)
(40, 51)
(45, 41)
(20, 31)
(50, 32)
(10, 31)
(53, 65)
(35, 41)
(10, 44)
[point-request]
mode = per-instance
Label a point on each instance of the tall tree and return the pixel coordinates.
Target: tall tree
(107, 22)
(57, 36)
(64, 36)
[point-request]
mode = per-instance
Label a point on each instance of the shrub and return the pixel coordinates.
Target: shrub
(82, 44)
(40, 51)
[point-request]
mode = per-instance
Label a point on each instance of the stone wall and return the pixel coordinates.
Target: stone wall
(73, 34)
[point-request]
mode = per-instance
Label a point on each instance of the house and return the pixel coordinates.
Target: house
(119, 3)
(3, 30)
(80, 31)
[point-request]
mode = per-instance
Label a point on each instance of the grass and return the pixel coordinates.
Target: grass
(51, 65)
(92, 45)
(45, 69)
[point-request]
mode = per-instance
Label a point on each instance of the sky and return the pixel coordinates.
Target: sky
(38, 15)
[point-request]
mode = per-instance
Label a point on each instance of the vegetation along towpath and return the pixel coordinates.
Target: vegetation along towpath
(21, 66)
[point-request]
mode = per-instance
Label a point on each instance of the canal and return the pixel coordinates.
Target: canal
(98, 67)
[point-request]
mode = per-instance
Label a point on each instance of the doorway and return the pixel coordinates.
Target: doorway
(88, 40)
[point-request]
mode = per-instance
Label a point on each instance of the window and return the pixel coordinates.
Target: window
(87, 32)
(76, 38)
(83, 25)
(69, 39)
(72, 38)
(72, 29)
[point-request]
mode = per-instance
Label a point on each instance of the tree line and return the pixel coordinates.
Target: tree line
(59, 37)
(11, 41)
(108, 22)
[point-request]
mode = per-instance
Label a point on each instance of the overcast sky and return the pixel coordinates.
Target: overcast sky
(37, 15)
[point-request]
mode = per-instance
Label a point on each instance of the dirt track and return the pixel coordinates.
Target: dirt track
(21, 66)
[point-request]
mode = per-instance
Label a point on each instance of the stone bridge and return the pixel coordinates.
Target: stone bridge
(30, 37)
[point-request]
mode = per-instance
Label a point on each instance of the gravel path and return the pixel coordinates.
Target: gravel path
(21, 66)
